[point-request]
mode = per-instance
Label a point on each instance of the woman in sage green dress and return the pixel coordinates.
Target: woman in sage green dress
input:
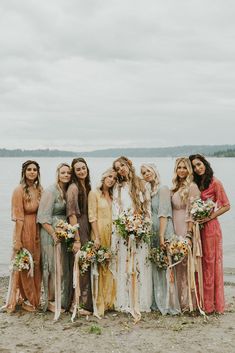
(52, 208)
(165, 297)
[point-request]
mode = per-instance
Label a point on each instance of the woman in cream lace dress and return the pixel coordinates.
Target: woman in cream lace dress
(131, 267)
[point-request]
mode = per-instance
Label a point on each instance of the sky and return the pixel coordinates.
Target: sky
(84, 75)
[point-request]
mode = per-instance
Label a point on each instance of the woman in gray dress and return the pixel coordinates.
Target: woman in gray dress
(52, 208)
(77, 212)
(165, 298)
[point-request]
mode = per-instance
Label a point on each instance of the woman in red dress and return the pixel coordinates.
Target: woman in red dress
(211, 235)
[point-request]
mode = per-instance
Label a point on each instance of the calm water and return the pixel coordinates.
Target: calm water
(224, 169)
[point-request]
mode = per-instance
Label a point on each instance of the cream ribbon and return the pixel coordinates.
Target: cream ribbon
(132, 280)
(94, 288)
(76, 285)
(57, 259)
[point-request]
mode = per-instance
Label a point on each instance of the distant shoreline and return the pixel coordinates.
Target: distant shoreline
(153, 152)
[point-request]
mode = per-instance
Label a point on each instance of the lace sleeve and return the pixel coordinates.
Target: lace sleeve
(92, 206)
(17, 204)
(220, 195)
(194, 193)
(72, 207)
(46, 205)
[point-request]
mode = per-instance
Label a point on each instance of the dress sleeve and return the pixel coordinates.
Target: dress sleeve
(92, 206)
(194, 193)
(165, 209)
(72, 207)
(46, 205)
(220, 195)
(17, 205)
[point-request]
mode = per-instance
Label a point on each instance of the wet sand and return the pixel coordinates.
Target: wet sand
(23, 332)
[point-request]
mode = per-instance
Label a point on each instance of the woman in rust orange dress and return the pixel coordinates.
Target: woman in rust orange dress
(24, 289)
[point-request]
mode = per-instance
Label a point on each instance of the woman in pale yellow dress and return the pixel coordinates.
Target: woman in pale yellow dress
(100, 217)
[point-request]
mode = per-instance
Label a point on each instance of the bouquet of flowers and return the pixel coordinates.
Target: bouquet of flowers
(66, 232)
(201, 209)
(87, 256)
(159, 257)
(178, 249)
(134, 226)
(90, 255)
(23, 261)
(103, 255)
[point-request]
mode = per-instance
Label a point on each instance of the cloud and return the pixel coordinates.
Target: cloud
(95, 74)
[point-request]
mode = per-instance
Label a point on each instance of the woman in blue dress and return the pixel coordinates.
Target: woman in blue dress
(165, 298)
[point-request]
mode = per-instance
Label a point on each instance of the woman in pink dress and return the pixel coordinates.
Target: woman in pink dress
(184, 191)
(211, 235)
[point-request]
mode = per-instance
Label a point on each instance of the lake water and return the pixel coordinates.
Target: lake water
(10, 173)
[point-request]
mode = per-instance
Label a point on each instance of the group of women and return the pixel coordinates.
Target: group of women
(129, 282)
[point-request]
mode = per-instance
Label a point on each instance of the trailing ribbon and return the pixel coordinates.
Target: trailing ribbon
(76, 285)
(193, 265)
(94, 288)
(132, 280)
(57, 254)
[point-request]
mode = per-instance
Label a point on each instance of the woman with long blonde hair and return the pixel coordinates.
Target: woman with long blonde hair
(165, 297)
(100, 216)
(56, 260)
(184, 191)
(131, 270)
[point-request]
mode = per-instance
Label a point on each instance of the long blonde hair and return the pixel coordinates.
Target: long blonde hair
(61, 191)
(103, 176)
(156, 181)
(184, 185)
(135, 183)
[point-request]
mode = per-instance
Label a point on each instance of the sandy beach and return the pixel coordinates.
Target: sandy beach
(23, 332)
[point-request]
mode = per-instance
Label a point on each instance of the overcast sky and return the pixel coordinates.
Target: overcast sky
(91, 74)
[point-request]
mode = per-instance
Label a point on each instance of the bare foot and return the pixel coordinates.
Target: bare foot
(84, 312)
(51, 307)
(28, 307)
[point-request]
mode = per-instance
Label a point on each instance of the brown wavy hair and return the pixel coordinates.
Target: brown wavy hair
(82, 194)
(202, 181)
(36, 183)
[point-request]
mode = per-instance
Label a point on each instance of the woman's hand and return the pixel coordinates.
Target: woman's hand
(54, 237)
(97, 242)
(76, 246)
(189, 241)
(17, 245)
(162, 243)
(207, 219)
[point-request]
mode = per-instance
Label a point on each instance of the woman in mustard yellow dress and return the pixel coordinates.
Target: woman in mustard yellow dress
(100, 217)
